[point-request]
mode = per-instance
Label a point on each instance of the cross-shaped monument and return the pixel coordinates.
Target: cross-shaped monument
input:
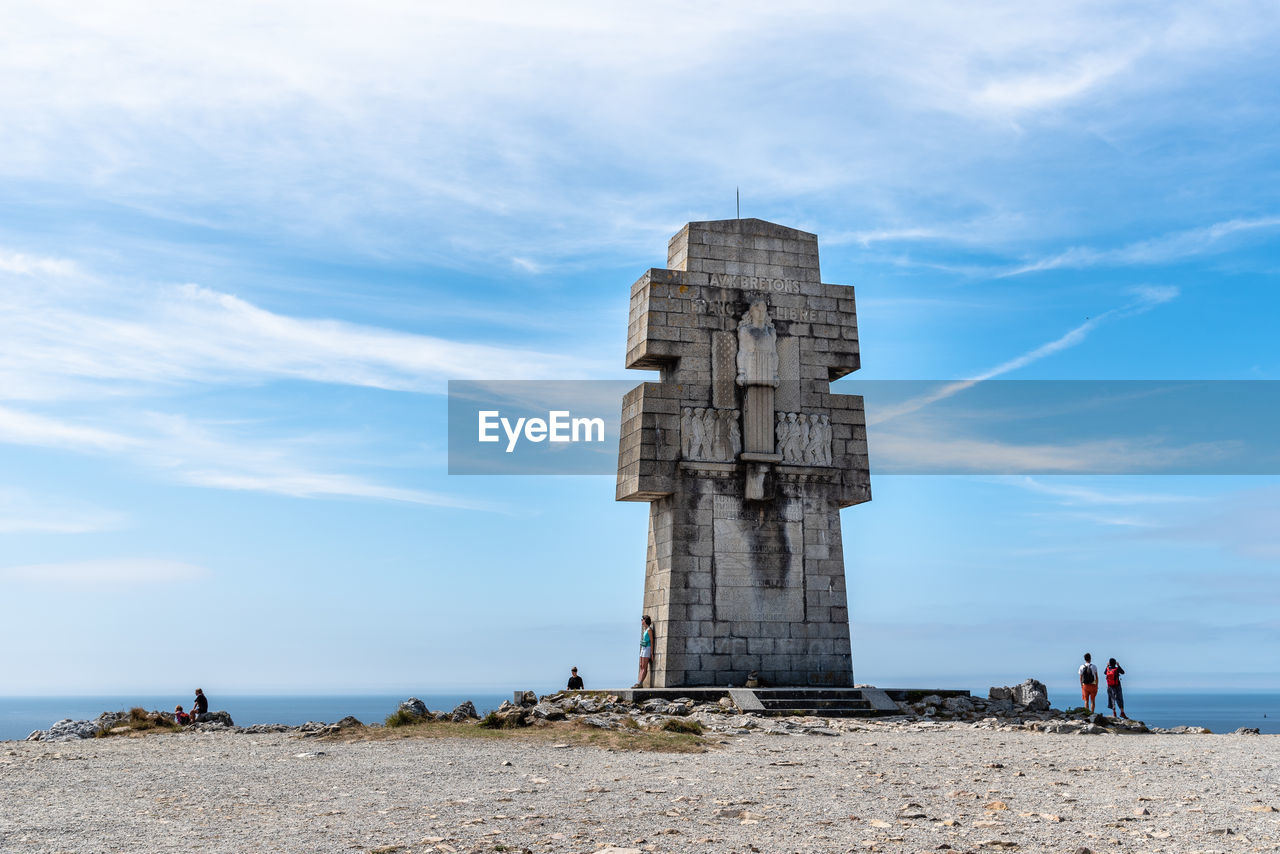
(745, 456)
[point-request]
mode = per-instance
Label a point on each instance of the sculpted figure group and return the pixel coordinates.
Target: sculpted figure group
(804, 439)
(710, 434)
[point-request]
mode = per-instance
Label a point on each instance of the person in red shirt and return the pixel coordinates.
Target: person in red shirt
(1115, 696)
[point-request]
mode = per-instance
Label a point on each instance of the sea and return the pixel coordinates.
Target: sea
(19, 716)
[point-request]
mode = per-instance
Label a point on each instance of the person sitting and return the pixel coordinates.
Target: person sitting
(575, 681)
(201, 707)
(180, 716)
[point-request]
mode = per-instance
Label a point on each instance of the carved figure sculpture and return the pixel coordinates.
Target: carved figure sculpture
(699, 445)
(757, 347)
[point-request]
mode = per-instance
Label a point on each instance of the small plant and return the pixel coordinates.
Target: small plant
(136, 719)
(629, 722)
(495, 721)
(682, 725)
(402, 718)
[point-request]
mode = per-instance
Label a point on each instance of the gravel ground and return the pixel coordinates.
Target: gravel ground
(880, 787)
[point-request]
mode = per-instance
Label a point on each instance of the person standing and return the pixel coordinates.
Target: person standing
(200, 707)
(575, 681)
(1115, 697)
(1089, 684)
(646, 649)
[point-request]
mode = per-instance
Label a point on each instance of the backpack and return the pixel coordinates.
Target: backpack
(1113, 676)
(1087, 676)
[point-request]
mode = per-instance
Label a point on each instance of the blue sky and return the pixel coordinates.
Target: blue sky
(243, 248)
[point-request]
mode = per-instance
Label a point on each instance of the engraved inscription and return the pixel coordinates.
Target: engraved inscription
(755, 283)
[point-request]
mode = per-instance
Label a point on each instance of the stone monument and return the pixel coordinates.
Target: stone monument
(745, 456)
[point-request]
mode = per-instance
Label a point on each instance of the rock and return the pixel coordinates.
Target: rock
(548, 711)
(219, 717)
(589, 705)
(1032, 694)
(593, 721)
(958, 705)
(1000, 693)
(526, 698)
(509, 715)
(1247, 730)
(263, 729)
(464, 711)
(1003, 707)
(414, 706)
(348, 722)
(67, 730)
(725, 703)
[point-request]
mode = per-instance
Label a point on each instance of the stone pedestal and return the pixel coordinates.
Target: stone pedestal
(745, 456)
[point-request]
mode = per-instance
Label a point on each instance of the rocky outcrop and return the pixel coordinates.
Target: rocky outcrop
(218, 718)
(463, 712)
(414, 706)
(1031, 693)
(67, 730)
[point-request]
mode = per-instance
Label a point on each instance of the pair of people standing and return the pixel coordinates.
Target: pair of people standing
(1089, 685)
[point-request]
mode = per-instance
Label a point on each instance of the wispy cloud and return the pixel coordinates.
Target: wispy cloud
(1160, 250)
(215, 456)
(1073, 495)
(119, 338)
(1146, 299)
(912, 452)
(25, 265)
(107, 572)
(21, 512)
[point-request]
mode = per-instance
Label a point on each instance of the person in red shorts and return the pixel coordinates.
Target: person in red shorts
(1089, 683)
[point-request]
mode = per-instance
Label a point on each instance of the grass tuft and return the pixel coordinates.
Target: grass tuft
(402, 718)
(682, 725)
(139, 720)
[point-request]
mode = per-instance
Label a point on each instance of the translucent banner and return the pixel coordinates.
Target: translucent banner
(1210, 427)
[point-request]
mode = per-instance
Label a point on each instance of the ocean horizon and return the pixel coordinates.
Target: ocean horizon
(19, 716)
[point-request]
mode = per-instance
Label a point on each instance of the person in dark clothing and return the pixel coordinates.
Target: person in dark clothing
(201, 706)
(575, 681)
(1115, 696)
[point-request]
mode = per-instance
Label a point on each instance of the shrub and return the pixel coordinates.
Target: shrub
(402, 718)
(629, 722)
(495, 721)
(682, 725)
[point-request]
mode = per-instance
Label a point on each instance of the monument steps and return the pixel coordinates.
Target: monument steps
(819, 702)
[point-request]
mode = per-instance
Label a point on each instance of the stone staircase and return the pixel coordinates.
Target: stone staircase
(821, 702)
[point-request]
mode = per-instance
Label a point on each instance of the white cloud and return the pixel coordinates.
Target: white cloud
(501, 131)
(23, 264)
(931, 453)
(1159, 250)
(1077, 495)
(25, 428)
(107, 572)
(1147, 298)
(216, 456)
(95, 337)
(24, 513)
